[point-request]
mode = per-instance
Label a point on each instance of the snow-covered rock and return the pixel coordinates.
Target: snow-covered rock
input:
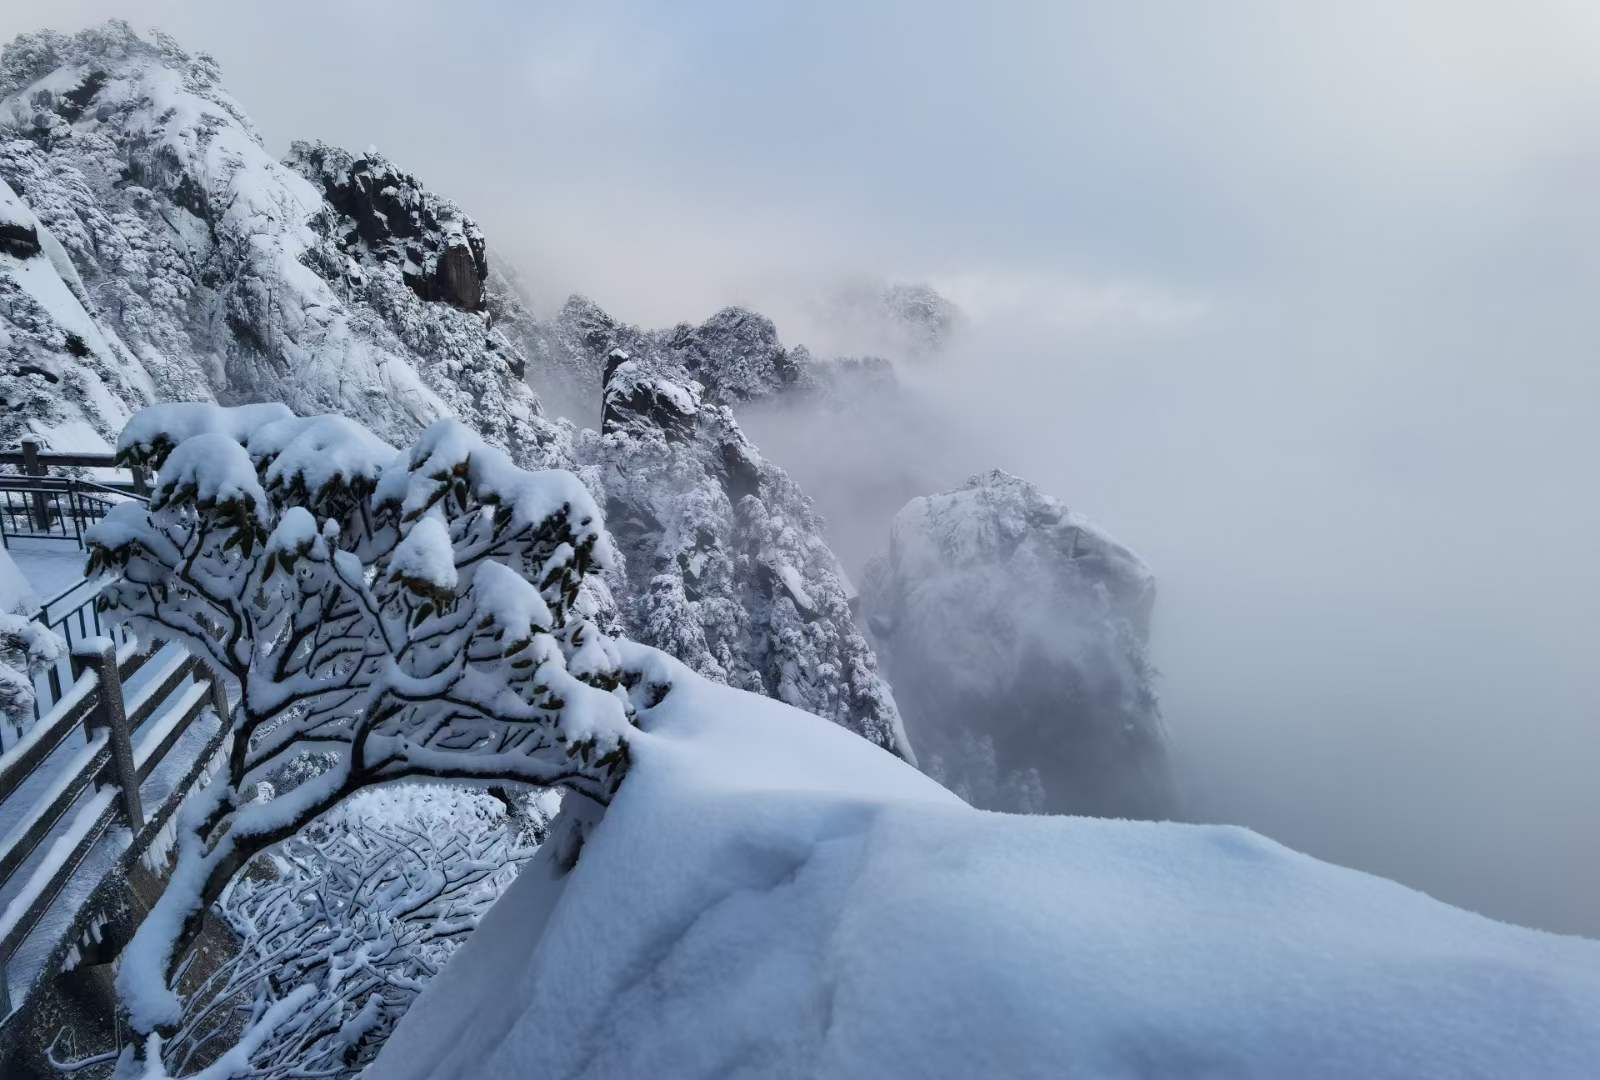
(1014, 633)
(61, 377)
(906, 320)
(727, 568)
(766, 897)
(337, 285)
(735, 355)
(441, 252)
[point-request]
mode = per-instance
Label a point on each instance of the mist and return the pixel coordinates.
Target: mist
(1300, 305)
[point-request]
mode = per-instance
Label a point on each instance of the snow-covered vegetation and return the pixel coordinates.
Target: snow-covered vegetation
(350, 919)
(413, 614)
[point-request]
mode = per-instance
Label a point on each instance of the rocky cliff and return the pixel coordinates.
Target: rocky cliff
(1014, 633)
(727, 566)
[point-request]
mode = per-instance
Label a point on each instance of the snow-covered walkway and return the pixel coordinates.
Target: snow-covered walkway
(49, 570)
(48, 566)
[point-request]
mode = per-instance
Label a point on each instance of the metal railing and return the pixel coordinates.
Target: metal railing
(37, 505)
(35, 461)
(74, 614)
(110, 719)
(51, 508)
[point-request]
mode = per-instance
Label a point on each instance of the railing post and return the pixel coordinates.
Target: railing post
(31, 466)
(141, 480)
(219, 696)
(100, 655)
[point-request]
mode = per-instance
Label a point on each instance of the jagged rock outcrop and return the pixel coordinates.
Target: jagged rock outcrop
(391, 218)
(1014, 634)
(735, 355)
(726, 565)
(230, 275)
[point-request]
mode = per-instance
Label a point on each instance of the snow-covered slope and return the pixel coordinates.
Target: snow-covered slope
(768, 898)
(726, 565)
(1014, 635)
(229, 274)
(336, 283)
(63, 378)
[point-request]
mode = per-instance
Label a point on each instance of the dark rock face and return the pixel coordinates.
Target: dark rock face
(457, 279)
(441, 252)
(636, 399)
(19, 240)
(74, 101)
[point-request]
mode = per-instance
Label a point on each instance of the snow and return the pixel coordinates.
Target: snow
(49, 567)
(16, 594)
(511, 602)
(796, 586)
(175, 422)
(317, 451)
(215, 469)
(425, 557)
(770, 896)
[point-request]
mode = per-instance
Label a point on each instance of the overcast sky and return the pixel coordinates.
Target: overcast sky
(1298, 300)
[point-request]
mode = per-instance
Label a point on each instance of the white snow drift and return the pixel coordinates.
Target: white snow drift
(769, 895)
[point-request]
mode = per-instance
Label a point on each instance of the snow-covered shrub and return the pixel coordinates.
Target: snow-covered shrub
(415, 614)
(360, 910)
(27, 647)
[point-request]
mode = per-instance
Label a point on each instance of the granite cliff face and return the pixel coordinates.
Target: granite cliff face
(378, 214)
(727, 566)
(1014, 633)
(334, 283)
(151, 249)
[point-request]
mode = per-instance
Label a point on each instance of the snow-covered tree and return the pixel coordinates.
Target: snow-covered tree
(415, 614)
(349, 919)
(27, 647)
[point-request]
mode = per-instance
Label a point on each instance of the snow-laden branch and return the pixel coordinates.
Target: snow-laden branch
(411, 614)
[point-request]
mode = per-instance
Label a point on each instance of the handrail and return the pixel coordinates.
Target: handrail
(59, 459)
(110, 761)
(23, 482)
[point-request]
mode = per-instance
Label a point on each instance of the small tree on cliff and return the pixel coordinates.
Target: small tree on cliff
(415, 614)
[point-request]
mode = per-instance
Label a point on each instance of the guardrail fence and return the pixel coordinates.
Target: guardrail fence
(48, 791)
